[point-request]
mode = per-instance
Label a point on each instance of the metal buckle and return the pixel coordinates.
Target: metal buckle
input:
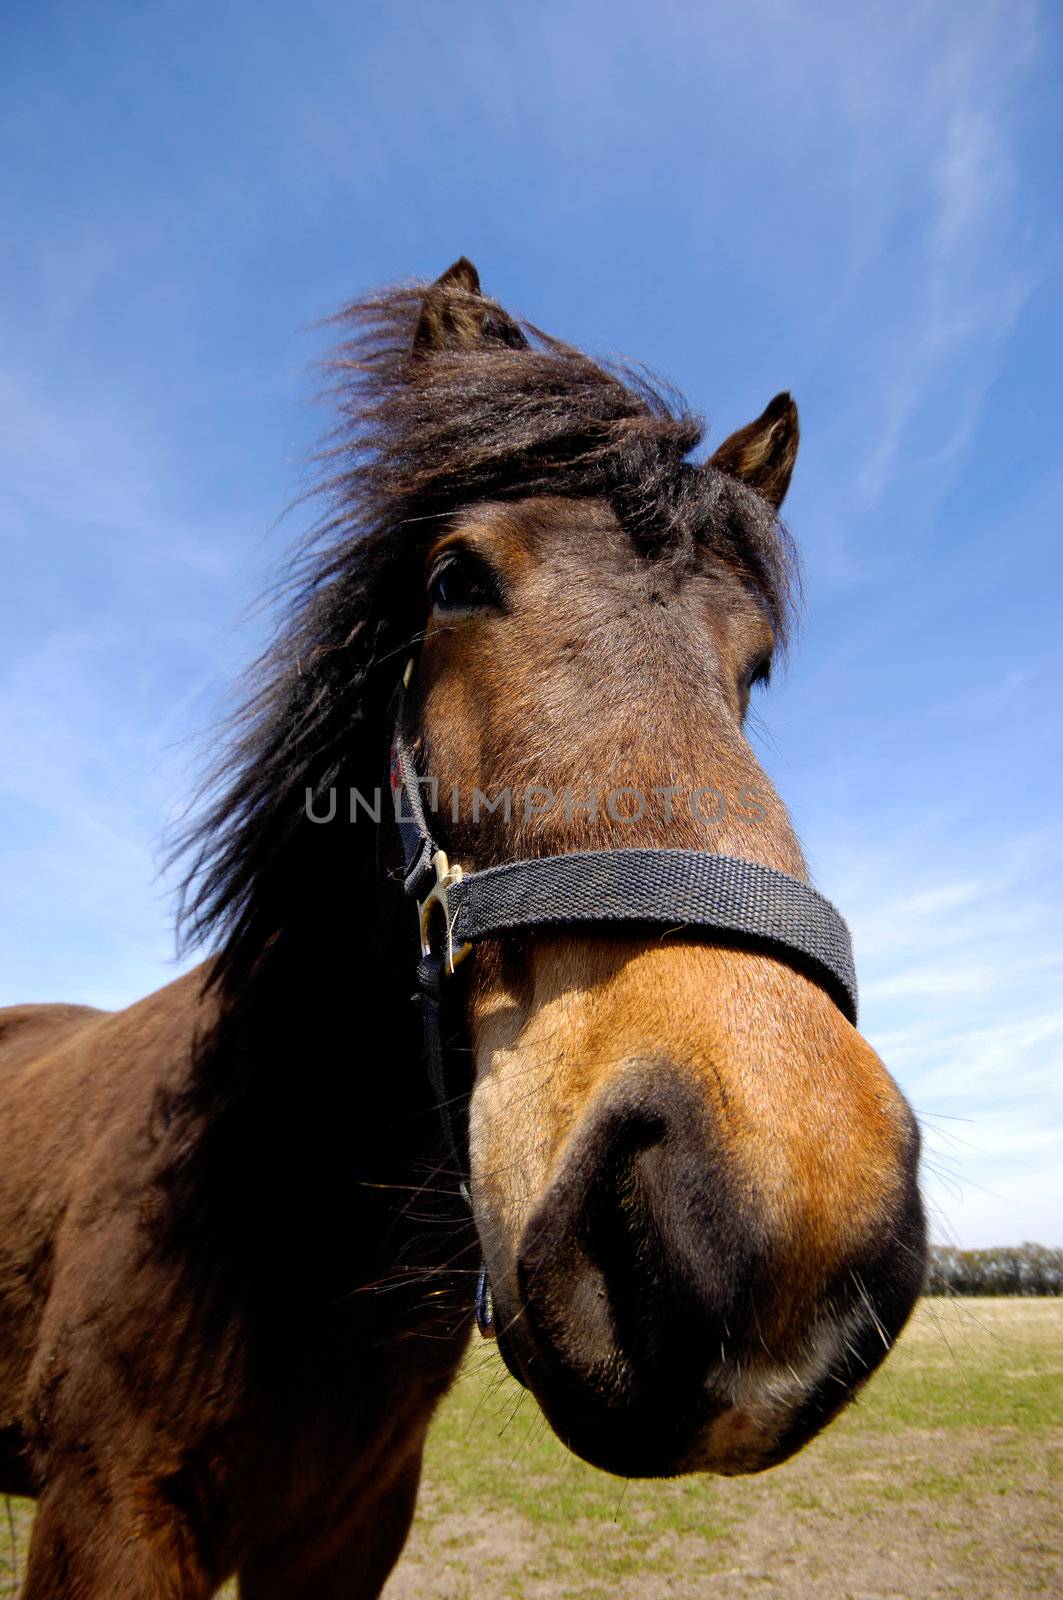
(446, 876)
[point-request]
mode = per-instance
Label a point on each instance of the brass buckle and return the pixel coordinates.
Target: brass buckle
(446, 876)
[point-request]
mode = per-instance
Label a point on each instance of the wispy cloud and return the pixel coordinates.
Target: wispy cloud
(119, 659)
(955, 183)
(961, 979)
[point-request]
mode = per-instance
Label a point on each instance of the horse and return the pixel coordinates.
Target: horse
(245, 1231)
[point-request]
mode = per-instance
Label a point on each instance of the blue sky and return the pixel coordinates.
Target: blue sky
(856, 203)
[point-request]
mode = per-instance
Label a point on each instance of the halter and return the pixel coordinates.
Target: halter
(739, 902)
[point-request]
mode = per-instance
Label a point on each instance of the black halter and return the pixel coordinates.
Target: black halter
(736, 901)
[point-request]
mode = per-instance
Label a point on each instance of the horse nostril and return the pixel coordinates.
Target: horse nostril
(632, 1264)
(616, 1227)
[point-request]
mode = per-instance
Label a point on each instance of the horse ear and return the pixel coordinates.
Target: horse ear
(762, 454)
(450, 318)
(455, 315)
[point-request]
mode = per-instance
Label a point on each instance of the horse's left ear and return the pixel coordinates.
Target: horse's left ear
(456, 315)
(762, 454)
(452, 310)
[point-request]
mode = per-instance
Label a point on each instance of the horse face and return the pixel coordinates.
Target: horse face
(694, 1182)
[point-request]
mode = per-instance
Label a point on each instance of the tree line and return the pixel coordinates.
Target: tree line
(1028, 1269)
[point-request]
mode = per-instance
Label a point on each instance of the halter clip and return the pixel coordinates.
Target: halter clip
(446, 877)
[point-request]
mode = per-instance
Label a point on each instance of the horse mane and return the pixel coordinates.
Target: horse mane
(424, 428)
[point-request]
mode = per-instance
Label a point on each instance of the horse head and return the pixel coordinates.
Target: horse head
(694, 1181)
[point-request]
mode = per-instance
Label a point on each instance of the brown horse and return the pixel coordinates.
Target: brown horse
(236, 1269)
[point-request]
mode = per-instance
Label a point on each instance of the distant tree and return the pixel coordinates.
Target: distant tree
(1025, 1269)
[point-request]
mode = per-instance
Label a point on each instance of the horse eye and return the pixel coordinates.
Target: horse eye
(461, 582)
(761, 672)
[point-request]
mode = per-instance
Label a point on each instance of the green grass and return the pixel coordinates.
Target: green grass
(943, 1480)
(968, 1412)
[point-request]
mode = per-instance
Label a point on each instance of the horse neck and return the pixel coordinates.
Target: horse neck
(311, 1080)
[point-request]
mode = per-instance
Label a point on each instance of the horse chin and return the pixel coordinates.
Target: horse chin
(722, 1424)
(613, 1428)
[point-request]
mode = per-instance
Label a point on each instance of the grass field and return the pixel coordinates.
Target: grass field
(945, 1480)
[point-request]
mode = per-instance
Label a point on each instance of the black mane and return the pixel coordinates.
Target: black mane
(425, 428)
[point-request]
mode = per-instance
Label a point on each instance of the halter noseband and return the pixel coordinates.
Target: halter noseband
(743, 902)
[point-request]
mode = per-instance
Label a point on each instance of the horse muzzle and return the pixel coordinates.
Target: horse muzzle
(664, 1323)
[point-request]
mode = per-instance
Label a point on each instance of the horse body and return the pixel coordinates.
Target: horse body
(236, 1259)
(208, 1393)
